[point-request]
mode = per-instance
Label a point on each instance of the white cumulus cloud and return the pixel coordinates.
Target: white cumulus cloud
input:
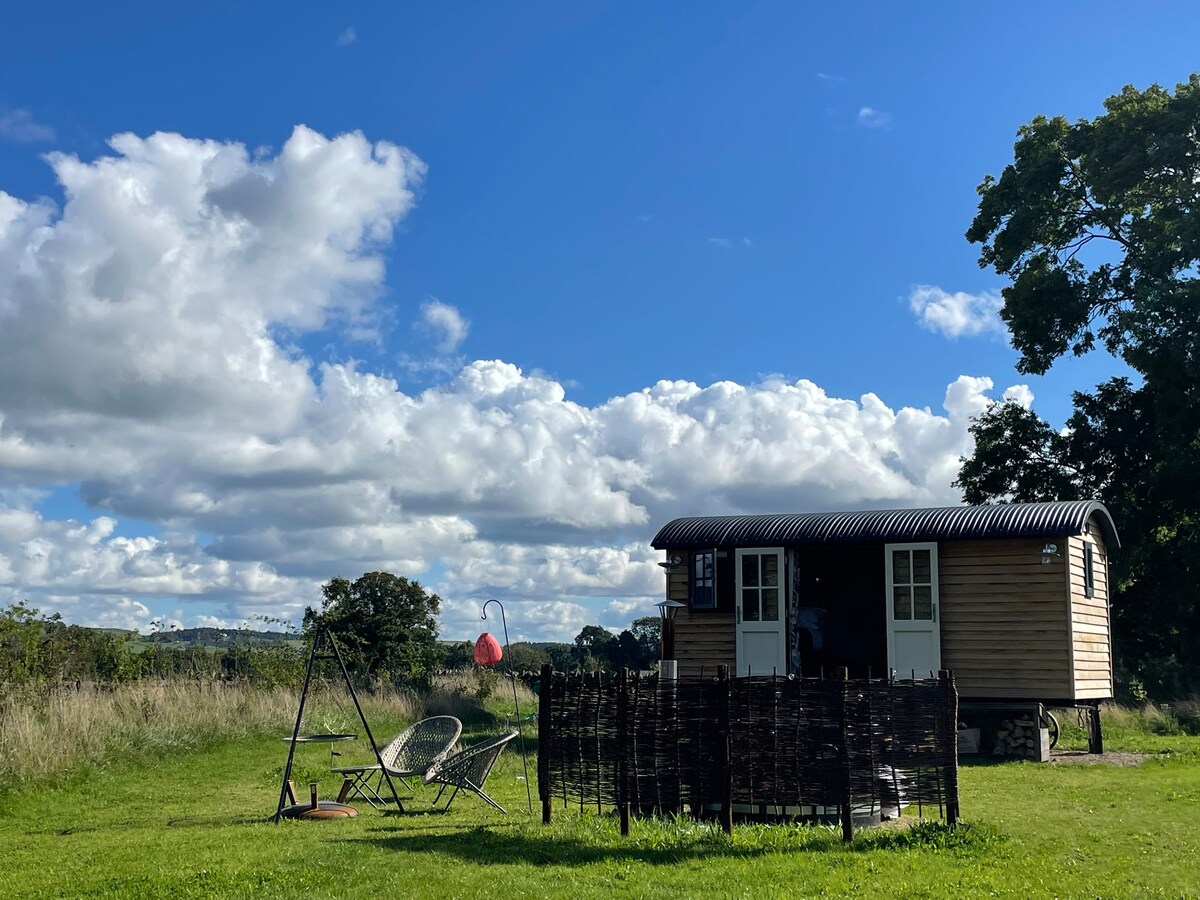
(957, 314)
(148, 333)
(446, 322)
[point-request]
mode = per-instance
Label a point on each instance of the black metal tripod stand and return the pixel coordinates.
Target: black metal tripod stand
(325, 647)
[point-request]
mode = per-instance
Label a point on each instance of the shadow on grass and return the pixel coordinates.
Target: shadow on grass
(505, 845)
(216, 821)
(483, 846)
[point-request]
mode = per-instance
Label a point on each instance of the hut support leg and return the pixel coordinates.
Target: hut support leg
(1095, 734)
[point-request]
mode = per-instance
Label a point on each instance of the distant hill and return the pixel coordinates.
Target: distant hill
(216, 637)
(116, 632)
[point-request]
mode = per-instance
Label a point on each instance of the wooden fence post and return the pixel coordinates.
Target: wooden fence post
(622, 742)
(723, 744)
(545, 741)
(841, 676)
(949, 731)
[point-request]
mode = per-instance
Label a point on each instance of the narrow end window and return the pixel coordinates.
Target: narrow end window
(1089, 571)
(703, 592)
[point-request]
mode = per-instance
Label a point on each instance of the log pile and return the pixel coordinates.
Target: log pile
(1021, 737)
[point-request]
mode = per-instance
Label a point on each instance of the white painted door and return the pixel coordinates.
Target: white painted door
(761, 613)
(914, 636)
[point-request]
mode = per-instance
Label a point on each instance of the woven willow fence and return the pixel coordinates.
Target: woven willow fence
(767, 746)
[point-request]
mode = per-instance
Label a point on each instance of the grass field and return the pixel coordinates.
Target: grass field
(195, 824)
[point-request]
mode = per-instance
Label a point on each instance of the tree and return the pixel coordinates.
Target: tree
(594, 648)
(524, 657)
(647, 631)
(1097, 224)
(383, 623)
(458, 655)
(562, 656)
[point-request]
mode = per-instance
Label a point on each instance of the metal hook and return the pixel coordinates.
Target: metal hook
(516, 704)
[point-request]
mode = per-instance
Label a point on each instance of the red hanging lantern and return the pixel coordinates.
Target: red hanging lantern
(487, 650)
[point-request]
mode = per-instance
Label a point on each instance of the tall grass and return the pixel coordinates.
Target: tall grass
(476, 696)
(1121, 723)
(1150, 718)
(48, 734)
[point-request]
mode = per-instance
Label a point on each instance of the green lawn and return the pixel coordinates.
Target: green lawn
(197, 826)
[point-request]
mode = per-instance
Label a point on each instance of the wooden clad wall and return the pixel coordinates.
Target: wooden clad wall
(703, 640)
(1091, 645)
(1006, 622)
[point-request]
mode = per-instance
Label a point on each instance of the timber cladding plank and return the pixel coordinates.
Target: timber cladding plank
(997, 567)
(1005, 578)
(1010, 605)
(1030, 637)
(1084, 655)
(987, 668)
(1032, 616)
(702, 621)
(1025, 655)
(677, 585)
(1052, 684)
(996, 624)
(1081, 607)
(975, 595)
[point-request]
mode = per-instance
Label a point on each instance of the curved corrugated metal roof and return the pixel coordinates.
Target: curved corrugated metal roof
(1011, 520)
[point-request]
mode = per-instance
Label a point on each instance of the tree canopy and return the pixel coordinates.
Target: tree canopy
(384, 624)
(1097, 224)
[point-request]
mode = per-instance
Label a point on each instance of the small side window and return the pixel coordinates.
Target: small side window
(1089, 571)
(703, 587)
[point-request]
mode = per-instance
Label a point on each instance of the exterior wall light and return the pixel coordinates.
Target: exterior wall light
(667, 610)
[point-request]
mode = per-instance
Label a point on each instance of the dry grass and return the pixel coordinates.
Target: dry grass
(46, 735)
(50, 734)
(1165, 719)
(475, 696)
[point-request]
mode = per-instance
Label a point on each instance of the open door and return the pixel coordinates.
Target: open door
(761, 617)
(914, 636)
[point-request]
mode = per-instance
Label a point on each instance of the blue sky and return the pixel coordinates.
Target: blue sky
(433, 347)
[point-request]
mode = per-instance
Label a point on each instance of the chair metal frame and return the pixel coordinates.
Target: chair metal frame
(469, 769)
(410, 754)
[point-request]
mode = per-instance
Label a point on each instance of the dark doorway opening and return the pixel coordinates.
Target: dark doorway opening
(840, 619)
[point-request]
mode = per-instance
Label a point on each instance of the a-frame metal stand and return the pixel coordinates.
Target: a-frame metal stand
(325, 647)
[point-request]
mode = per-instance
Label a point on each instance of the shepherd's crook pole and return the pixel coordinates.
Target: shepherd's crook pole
(516, 705)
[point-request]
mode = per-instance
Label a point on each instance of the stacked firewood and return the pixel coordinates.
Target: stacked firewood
(1018, 737)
